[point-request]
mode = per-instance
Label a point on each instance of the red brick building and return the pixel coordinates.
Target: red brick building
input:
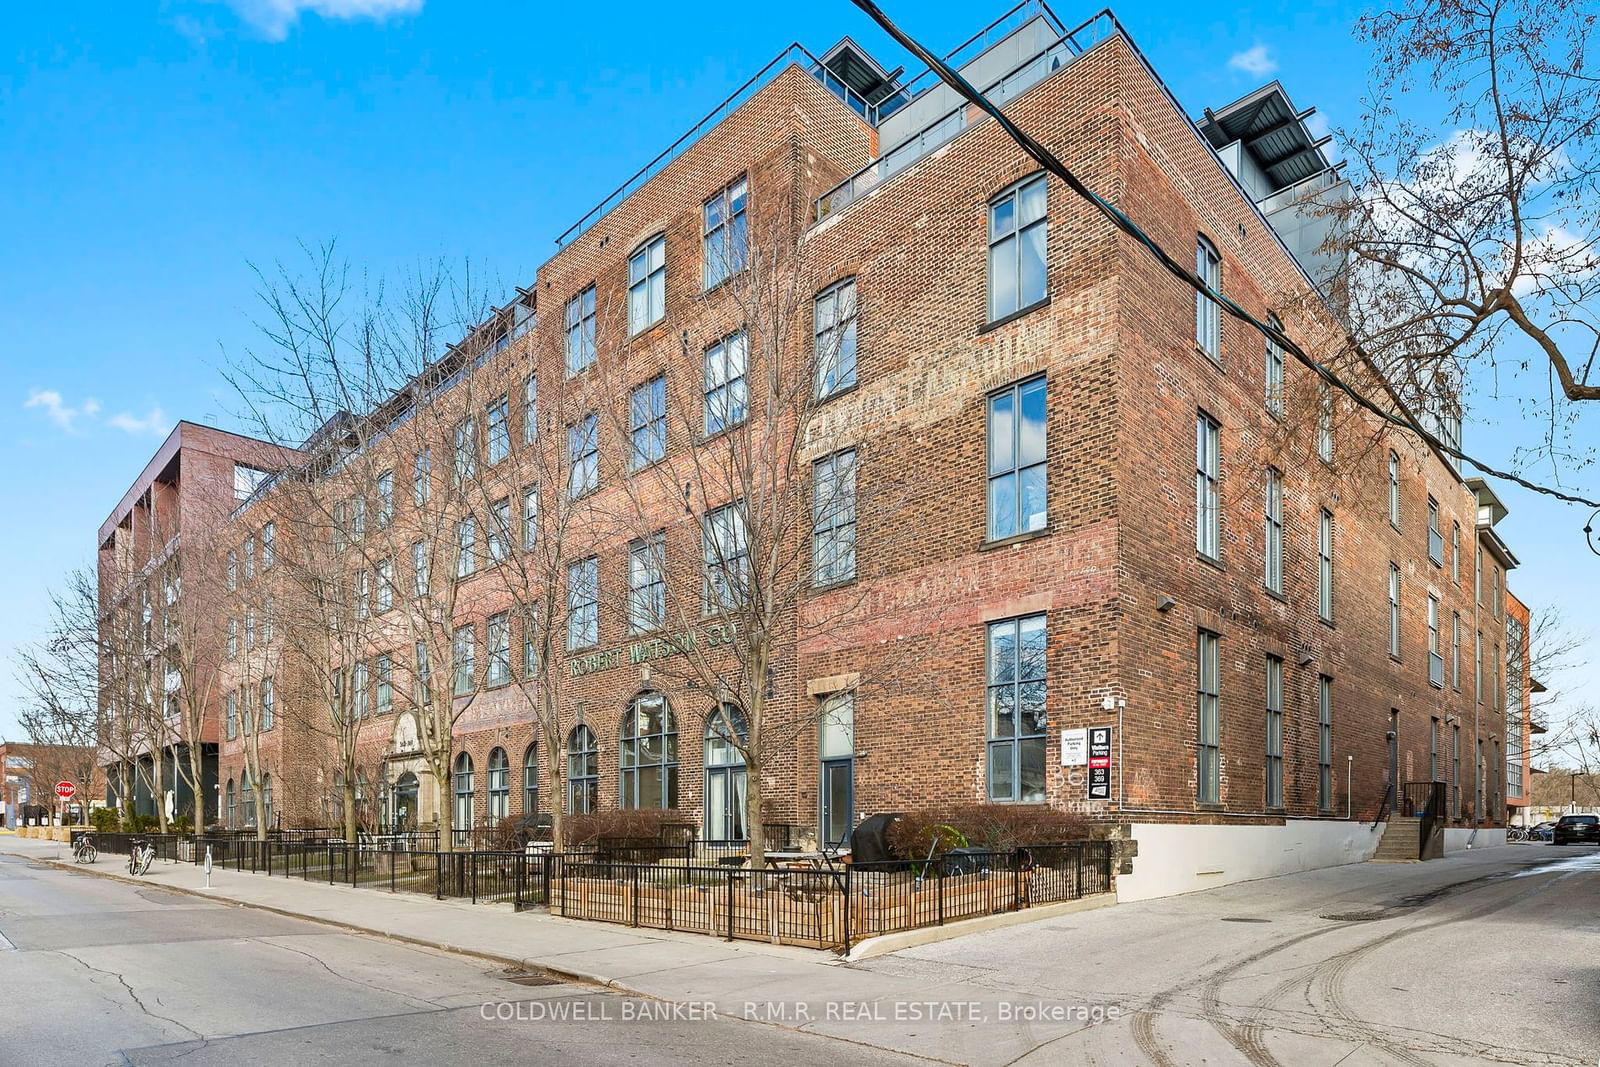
(1057, 421)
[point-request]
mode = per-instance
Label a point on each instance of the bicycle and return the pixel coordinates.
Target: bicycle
(83, 850)
(140, 857)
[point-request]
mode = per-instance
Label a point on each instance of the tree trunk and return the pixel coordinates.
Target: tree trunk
(198, 784)
(160, 771)
(349, 810)
(752, 813)
(441, 787)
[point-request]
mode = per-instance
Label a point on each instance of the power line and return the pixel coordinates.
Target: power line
(1047, 159)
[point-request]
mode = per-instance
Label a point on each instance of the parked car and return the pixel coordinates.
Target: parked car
(1576, 830)
(1543, 831)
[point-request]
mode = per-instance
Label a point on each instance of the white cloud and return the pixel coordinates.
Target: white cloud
(155, 422)
(58, 411)
(1257, 61)
(275, 18)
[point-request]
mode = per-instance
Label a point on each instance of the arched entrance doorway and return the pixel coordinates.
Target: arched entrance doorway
(405, 802)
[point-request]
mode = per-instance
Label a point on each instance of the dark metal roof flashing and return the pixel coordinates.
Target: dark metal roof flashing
(1273, 132)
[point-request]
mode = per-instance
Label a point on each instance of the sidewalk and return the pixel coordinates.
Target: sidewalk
(773, 984)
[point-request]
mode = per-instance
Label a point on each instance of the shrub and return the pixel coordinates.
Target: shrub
(996, 827)
(104, 820)
(143, 824)
(181, 825)
(667, 825)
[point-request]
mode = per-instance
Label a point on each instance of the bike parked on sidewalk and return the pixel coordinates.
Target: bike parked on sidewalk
(83, 850)
(140, 856)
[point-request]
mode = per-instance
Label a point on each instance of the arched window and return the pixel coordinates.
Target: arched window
(499, 786)
(725, 776)
(233, 806)
(247, 798)
(648, 755)
(462, 777)
(583, 771)
(530, 782)
(1207, 312)
(266, 799)
(1018, 220)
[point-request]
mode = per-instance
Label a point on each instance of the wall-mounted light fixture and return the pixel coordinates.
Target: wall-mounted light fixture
(1165, 603)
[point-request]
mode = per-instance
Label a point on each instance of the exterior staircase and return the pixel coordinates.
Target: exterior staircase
(1401, 841)
(1418, 834)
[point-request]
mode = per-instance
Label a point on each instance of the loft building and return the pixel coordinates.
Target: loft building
(1113, 509)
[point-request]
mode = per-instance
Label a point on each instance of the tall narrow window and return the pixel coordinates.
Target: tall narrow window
(530, 517)
(250, 557)
(360, 695)
(1455, 772)
(1325, 422)
(384, 574)
(500, 529)
(363, 598)
(647, 423)
(835, 351)
(530, 409)
(464, 789)
(725, 240)
(647, 755)
(1325, 566)
(726, 778)
(530, 781)
(422, 688)
(1435, 535)
(833, 519)
(1435, 645)
(1394, 611)
(233, 571)
(232, 723)
(1433, 749)
(1208, 712)
(497, 640)
(269, 545)
(1018, 223)
(1477, 666)
(1324, 743)
(466, 546)
(1018, 466)
(1207, 498)
(419, 568)
(421, 475)
(498, 418)
(726, 395)
(1274, 776)
(1455, 552)
(358, 525)
(583, 603)
(583, 456)
(463, 654)
(1016, 713)
(1207, 312)
(580, 331)
(464, 451)
(583, 771)
(498, 784)
(647, 285)
(647, 590)
(1394, 490)
(726, 552)
(1455, 650)
(1274, 371)
(1273, 556)
(384, 665)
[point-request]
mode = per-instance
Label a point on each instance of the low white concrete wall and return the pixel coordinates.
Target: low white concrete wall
(1177, 858)
(1457, 838)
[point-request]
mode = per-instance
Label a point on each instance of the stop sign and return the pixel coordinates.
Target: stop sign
(66, 790)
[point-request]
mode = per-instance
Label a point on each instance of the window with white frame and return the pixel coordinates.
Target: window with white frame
(647, 590)
(1272, 569)
(835, 338)
(726, 391)
(530, 409)
(497, 645)
(498, 417)
(530, 517)
(498, 783)
(1435, 645)
(384, 669)
(1018, 466)
(385, 487)
(466, 546)
(269, 545)
(464, 451)
(1325, 422)
(385, 579)
(1207, 491)
(500, 529)
(1394, 611)
(583, 771)
(419, 568)
(1394, 490)
(1207, 312)
(1435, 535)
(1274, 371)
(583, 456)
(1016, 712)
(647, 284)
(580, 331)
(421, 476)
(726, 553)
(647, 755)
(1455, 650)
(1018, 238)
(725, 242)
(1208, 713)
(583, 603)
(463, 653)
(833, 518)
(1274, 768)
(647, 423)
(1324, 743)
(1325, 566)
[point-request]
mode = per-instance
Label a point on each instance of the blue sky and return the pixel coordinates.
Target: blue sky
(150, 151)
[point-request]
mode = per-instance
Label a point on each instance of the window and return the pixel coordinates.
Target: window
(1435, 537)
(358, 521)
(419, 568)
(726, 551)
(249, 557)
(500, 529)
(269, 545)
(1455, 772)
(583, 771)
(530, 409)
(647, 423)
(1274, 779)
(421, 475)
(530, 781)
(1274, 371)
(363, 594)
(833, 519)
(1394, 490)
(1018, 223)
(1208, 709)
(1016, 713)
(464, 451)
(647, 285)
(247, 798)
(266, 800)
(385, 499)
(1455, 552)
(1435, 647)
(1273, 557)
(461, 655)
(249, 632)
(1324, 743)
(233, 571)
(497, 639)
(1394, 611)
(648, 755)
(647, 590)
(583, 603)
(1494, 599)
(233, 715)
(835, 350)
(1207, 312)
(725, 235)
(530, 517)
(1477, 666)
(267, 615)
(1325, 421)
(385, 578)
(531, 635)
(358, 692)
(1325, 566)
(726, 778)
(1017, 460)
(233, 805)
(466, 546)
(1207, 499)
(1433, 749)
(233, 638)
(580, 331)
(499, 786)
(461, 780)
(1477, 577)
(726, 399)
(1455, 650)
(583, 456)
(422, 690)
(498, 417)
(384, 669)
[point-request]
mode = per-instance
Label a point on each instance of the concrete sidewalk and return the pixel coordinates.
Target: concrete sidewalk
(800, 989)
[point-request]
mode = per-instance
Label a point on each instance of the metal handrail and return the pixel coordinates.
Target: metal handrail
(1383, 808)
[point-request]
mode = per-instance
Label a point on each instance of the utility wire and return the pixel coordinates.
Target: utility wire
(1047, 159)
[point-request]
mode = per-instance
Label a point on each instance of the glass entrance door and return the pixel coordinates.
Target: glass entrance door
(836, 746)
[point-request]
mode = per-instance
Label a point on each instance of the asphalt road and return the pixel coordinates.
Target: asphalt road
(94, 971)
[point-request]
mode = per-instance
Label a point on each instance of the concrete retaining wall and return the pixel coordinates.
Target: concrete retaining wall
(1456, 838)
(1182, 859)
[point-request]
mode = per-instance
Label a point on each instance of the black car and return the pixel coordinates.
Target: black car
(1576, 830)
